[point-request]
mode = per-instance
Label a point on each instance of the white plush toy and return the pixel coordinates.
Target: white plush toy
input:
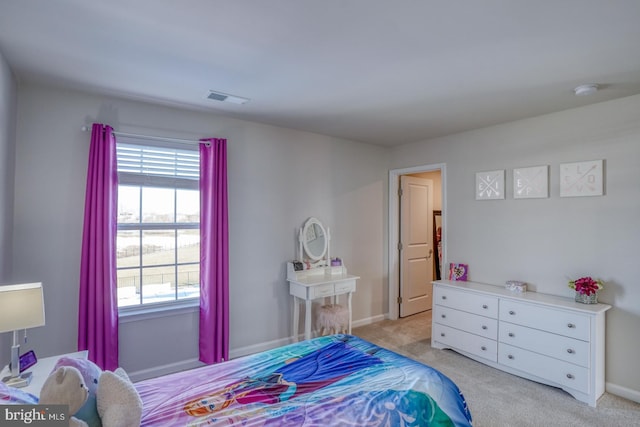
(119, 404)
(117, 401)
(65, 386)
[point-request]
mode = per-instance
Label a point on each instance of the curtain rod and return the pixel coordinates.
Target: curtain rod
(151, 137)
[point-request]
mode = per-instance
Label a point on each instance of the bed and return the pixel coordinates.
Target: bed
(337, 380)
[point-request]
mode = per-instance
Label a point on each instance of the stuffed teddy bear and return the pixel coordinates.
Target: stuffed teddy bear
(91, 374)
(65, 386)
(112, 399)
(119, 404)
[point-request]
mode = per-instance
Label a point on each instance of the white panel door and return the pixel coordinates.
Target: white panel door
(416, 241)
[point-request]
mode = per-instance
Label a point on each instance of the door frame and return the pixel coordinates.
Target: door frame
(394, 223)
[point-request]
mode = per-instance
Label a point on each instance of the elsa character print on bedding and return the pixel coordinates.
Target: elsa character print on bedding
(333, 380)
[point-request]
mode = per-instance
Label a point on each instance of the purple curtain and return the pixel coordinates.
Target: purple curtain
(214, 254)
(98, 304)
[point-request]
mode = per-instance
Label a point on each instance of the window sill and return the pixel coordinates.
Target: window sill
(135, 314)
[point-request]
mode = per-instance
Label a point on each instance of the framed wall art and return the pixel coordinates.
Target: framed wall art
(531, 183)
(490, 185)
(581, 179)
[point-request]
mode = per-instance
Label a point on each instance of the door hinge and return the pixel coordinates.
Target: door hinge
(399, 246)
(400, 192)
(399, 300)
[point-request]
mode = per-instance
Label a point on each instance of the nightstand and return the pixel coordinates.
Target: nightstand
(42, 369)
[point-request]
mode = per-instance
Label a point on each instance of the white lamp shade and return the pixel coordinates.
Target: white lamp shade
(21, 306)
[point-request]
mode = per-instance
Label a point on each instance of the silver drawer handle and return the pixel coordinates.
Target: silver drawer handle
(571, 325)
(483, 348)
(444, 316)
(570, 376)
(511, 312)
(511, 334)
(510, 356)
(485, 306)
(484, 327)
(570, 351)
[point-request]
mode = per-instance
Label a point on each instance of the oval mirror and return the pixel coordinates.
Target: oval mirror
(314, 239)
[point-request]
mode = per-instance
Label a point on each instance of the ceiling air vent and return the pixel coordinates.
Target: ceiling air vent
(225, 97)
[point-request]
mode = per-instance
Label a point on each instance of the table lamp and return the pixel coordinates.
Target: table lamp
(21, 307)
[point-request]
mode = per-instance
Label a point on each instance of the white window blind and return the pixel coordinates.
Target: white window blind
(156, 165)
(159, 161)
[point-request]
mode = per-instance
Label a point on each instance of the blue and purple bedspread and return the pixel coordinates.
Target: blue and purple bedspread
(337, 380)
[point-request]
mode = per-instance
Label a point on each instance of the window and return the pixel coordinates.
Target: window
(158, 240)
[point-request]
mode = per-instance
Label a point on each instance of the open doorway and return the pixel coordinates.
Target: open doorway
(428, 261)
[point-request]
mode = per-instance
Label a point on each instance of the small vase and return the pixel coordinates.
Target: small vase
(587, 299)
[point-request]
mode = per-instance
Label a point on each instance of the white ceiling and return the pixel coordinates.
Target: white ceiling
(380, 71)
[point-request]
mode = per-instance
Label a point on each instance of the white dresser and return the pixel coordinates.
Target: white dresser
(545, 338)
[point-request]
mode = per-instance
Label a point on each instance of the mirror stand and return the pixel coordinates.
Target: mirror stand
(312, 276)
(314, 244)
(323, 262)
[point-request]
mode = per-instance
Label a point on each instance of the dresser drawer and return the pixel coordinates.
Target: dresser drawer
(560, 322)
(479, 325)
(554, 370)
(346, 286)
(465, 341)
(466, 301)
(557, 346)
(321, 291)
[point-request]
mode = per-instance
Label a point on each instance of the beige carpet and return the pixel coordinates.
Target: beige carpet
(498, 399)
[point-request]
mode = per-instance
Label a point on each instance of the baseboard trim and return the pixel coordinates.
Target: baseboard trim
(627, 393)
(184, 365)
(264, 346)
(369, 320)
(169, 368)
(256, 348)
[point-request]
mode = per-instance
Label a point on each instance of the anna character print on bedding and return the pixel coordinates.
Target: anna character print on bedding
(316, 370)
(333, 380)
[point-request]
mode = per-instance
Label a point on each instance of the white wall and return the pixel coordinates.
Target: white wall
(547, 241)
(277, 179)
(8, 96)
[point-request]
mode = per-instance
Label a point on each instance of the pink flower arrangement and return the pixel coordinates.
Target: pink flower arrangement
(586, 285)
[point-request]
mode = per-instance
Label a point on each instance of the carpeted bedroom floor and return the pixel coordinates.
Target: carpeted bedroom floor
(498, 399)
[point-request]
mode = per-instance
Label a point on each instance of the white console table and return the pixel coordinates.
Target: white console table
(42, 369)
(314, 283)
